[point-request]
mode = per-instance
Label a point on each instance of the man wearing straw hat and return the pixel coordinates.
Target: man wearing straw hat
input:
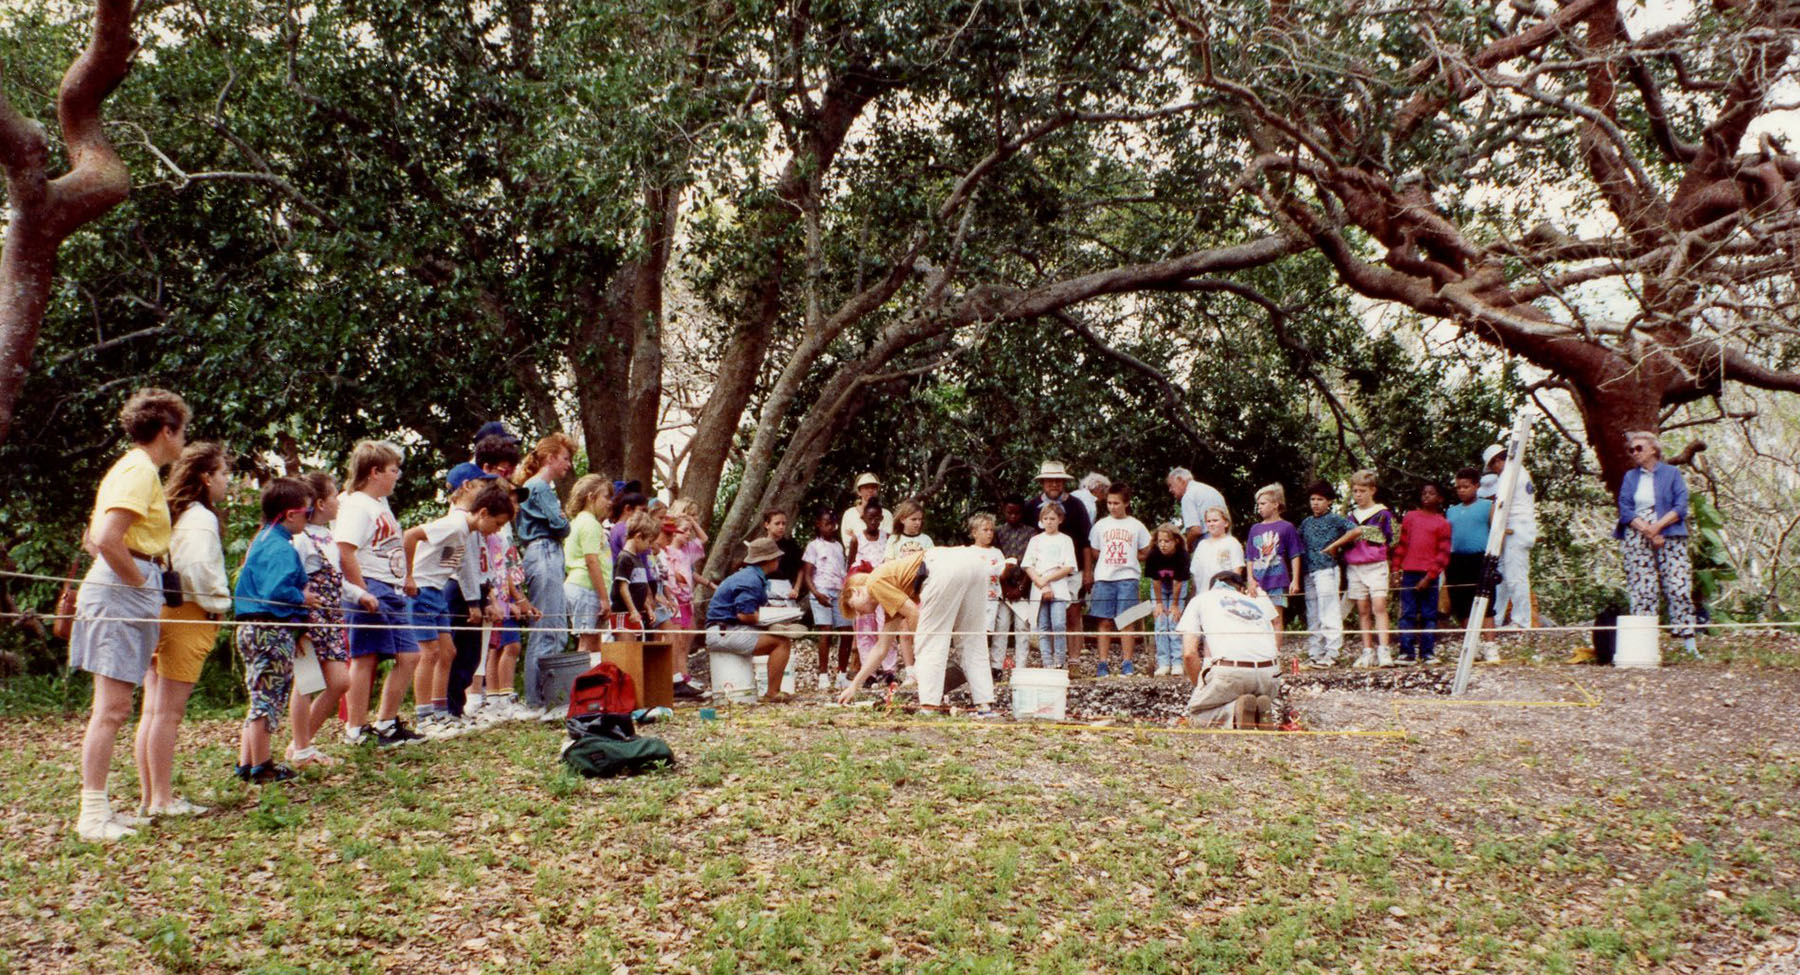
(1054, 479)
(1239, 679)
(733, 620)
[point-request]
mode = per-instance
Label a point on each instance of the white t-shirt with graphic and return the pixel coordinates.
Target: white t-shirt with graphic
(1215, 555)
(1116, 543)
(1236, 626)
(996, 562)
(369, 524)
(1046, 553)
(443, 553)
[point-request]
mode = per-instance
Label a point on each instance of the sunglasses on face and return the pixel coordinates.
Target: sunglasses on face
(308, 510)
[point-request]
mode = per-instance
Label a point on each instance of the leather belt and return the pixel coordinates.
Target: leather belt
(1245, 663)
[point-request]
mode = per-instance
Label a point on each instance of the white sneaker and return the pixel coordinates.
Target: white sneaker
(1385, 657)
(824, 682)
(355, 736)
(181, 807)
(910, 681)
(1490, 651)
(129, 820)
(1365, 661)
(554, 715)
(437, 726)
(841, 682)
(97, 830)
(1162, 670)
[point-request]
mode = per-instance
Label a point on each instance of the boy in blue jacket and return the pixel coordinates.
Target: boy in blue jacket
(271, 592)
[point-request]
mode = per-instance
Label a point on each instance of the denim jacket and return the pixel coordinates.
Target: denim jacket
(1671, 495)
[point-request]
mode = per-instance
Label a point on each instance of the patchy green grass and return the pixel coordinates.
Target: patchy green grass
(810, 841)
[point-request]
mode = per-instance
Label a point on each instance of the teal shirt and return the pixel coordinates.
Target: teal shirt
(1318, 531)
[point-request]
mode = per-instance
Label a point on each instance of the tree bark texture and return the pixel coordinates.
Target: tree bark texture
(43, 212)
(715, 430)
(1682, 245)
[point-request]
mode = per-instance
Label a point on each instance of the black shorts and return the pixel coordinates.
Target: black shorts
(1462, 576)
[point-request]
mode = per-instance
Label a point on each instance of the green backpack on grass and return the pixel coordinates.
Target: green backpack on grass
(602, 757)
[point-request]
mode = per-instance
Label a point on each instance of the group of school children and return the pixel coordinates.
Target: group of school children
(332, 584)
(1040, 572)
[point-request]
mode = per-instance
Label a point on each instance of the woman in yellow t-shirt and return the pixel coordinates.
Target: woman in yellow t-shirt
(116, 609)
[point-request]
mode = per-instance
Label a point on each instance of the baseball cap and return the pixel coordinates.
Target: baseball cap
(465, 472)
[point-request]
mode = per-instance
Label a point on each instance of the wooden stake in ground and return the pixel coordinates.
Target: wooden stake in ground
(43, 212)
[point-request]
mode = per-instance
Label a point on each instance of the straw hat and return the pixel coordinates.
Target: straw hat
(1053, 470)
(868, 479)
(761, 550)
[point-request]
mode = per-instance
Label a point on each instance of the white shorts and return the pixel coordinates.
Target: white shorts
(1368, 580)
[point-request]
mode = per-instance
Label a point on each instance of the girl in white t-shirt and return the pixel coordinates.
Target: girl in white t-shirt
(1050, 562)
(909, 532)
(1217, 552)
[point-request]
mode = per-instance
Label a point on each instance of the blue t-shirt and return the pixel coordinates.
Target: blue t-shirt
(1469, 526)
(1272, 548)
(1318, 531)
(743, 591)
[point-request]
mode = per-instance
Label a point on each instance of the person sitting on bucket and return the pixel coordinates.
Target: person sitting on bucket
(1238, 681)
(732, 623)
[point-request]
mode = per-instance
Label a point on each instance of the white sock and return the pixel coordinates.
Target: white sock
(384, 726)
(95, 805)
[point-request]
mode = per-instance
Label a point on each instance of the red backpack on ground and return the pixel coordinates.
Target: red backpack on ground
(602, 689)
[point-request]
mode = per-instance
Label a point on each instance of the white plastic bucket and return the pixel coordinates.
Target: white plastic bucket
(1637, 643)
(762, 676)
(1040, 692)
(733, 679)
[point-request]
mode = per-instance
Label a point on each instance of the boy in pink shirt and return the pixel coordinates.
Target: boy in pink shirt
(1420, 556)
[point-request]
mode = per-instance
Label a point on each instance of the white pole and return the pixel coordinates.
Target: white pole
(1490, 562)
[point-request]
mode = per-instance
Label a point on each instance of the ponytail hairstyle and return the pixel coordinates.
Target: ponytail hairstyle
(186, 485)
(546, 448)
(588, 494)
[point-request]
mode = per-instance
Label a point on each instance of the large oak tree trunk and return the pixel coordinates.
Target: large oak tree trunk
(43, 212)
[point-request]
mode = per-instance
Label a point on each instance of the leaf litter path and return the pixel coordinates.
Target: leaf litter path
(1656, 832)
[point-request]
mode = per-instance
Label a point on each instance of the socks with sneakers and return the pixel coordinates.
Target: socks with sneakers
(95, 821)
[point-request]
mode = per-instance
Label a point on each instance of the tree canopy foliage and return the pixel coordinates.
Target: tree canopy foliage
(938, 240)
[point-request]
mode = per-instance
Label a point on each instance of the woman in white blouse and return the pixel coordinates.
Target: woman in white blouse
(198, 482)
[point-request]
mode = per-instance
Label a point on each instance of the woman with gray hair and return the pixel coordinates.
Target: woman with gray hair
(1653, 532)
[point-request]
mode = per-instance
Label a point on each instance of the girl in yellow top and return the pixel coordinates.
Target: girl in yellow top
(116, 609)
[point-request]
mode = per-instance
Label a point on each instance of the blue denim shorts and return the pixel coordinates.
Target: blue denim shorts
(430, 613)
(1109, 599)
(387, 631)
(826, 615)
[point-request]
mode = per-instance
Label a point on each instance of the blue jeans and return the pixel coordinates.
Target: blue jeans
(1168, 642)
(1418, 611)
(544, 587)
(1053, 624)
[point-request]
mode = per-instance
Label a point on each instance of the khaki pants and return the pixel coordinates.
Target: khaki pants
(1211, 704)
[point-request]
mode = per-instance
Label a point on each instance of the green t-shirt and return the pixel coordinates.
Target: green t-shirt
(587, 537)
